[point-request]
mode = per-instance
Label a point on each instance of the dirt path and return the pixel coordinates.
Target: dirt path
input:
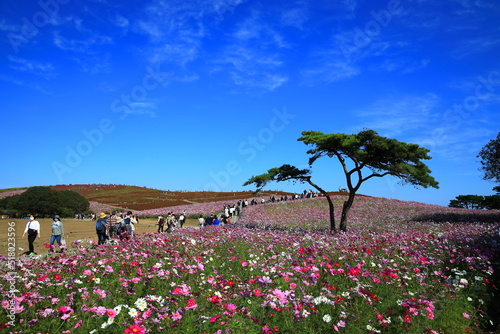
(73, 230)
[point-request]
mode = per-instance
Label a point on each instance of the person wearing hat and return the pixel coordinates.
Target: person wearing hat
(57, 234)
(100, 227)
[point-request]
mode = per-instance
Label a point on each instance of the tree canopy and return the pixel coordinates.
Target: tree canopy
(490, 160)
(468, 202)
(357, 154)
(44, 201)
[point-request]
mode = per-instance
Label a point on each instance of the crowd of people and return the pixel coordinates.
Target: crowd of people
(171, 221)
(115, 226)
(122, 226)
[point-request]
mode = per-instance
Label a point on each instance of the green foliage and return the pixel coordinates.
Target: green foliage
(476, 202)
(468, 202)
(492, 202)
(44, 201)
(283, 173)
(383, 156)
(490, 160)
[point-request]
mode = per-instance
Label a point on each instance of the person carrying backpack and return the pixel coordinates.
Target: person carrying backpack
(101, 225)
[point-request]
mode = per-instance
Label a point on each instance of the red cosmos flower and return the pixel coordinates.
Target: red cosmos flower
(393, 275)
(354, 271)
(134, 329)
(302, 250)
(407, 318)
(57, 277)
(215, 299)
(191, 304)
(256, 292)
(134, 264)
(214, 318)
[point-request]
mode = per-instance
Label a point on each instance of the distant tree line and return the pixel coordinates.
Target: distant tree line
(477, 201)
(490, 167)
(44, 202)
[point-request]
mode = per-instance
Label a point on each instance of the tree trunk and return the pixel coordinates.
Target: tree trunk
(332, 213)
(330, 203)
(345, 211)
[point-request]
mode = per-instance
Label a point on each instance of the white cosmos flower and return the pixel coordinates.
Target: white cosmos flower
(141, 304)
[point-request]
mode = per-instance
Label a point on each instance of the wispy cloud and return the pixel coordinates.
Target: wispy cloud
(142, 108)
(394, 116)
(483, 44)
(43, 69)
(403, 65)
(23, 83)
(84, 45)
(254, 56)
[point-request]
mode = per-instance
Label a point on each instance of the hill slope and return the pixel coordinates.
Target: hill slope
(142, 198)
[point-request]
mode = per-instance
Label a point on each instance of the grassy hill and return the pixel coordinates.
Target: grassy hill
(142, 198)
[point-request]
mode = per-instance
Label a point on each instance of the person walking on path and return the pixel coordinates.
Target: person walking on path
(57, 234)
(112, 224)
(100, 228)
(129, 222)
(33, 230)
(161, 224)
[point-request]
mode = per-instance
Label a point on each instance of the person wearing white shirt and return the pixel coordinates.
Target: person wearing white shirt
(33, 230)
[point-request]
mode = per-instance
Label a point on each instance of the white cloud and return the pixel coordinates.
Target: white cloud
(85, 45)
(34, 67)
(142, 108)
(394, 116)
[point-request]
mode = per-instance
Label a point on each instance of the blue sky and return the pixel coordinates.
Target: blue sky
(202, 95)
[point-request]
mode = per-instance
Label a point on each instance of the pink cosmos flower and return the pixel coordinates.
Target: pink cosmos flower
(176, 316)
(65, 312)
(134, 329)
(101, 310)
(230, 307)
(214, 318)
(78, 324)
(111, 313)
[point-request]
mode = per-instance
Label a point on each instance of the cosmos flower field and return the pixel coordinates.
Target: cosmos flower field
(402, 267)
